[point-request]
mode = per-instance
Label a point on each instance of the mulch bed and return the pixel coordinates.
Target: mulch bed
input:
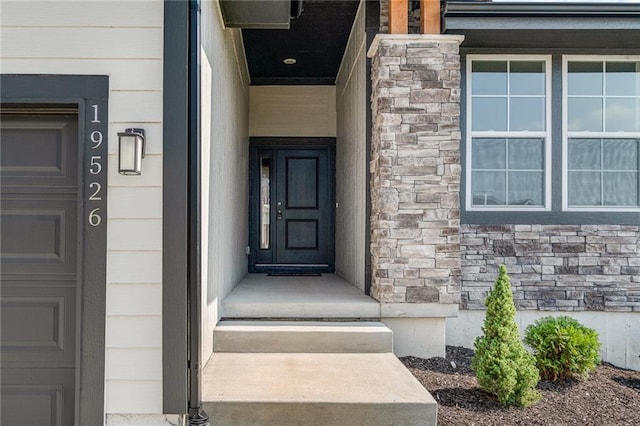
(610, 396)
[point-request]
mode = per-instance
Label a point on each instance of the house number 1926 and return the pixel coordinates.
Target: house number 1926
(95, 169)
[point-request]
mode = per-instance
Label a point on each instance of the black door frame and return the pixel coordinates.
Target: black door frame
(90, 95)
(262, 143)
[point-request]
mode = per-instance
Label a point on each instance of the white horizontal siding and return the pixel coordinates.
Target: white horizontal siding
(88, 13)
(124, 74)
(135, 234)
(89, 42)
(292, 111)
(134, 364)
(133, 396)
(135, 202)
(134, 267)
(134, 332)
(124, 41)
(135, 299)
(131, 105)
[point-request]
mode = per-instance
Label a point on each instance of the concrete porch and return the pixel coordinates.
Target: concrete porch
(298, 297)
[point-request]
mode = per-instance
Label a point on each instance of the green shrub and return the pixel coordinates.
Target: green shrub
(563, 347)
(501, 363)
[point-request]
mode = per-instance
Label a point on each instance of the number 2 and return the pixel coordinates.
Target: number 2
(94, 196)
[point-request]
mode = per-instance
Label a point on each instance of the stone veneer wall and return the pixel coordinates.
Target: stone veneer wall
(554, 267)
(415, 169)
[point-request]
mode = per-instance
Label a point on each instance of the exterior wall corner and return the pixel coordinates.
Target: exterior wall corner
(415, 169)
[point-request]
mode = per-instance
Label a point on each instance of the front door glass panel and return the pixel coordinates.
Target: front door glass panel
(265, 202)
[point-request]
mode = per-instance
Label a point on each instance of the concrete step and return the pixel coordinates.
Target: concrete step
(302, 336)
(313, 389)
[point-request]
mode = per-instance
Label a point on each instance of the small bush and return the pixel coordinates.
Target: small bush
(563, 347)
(501, 363)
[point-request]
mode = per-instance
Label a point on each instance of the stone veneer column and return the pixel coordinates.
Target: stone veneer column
(415, 168)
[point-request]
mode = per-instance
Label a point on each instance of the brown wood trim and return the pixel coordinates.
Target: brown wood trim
(429, 16)
(398, 16)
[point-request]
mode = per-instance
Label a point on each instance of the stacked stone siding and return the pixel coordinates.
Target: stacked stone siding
(554, 268)
(415, 170)
(384, 16)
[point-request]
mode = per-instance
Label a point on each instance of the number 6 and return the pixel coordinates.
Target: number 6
(94, 218)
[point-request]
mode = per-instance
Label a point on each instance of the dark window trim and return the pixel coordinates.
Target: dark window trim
(175, 207)
(556, 216)
(83, 91)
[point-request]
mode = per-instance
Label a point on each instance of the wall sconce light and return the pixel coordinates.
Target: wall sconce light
(131, 151)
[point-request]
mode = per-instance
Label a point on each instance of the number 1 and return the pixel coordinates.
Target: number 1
(95, 114)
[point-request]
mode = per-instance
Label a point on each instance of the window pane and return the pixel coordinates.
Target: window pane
(585, 114)
(585, 78)
(265, 201)
(488, 154)
(489, 114)
(489, 77)
(621, 78)
(525, 188)
(526, 78)
(620, 188)
(584, 188)
(584, 154)
(621, 115)
(488, 188)
(527, 114)
(620, 154)
(526, 154)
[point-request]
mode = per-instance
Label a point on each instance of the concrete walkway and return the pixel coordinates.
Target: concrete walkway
(314, 389)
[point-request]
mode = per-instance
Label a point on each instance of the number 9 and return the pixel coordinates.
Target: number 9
(96, 138)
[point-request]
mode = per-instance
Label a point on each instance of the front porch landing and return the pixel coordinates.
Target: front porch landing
(326, 296)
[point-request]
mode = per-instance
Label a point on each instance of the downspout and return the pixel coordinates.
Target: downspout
(197, 416)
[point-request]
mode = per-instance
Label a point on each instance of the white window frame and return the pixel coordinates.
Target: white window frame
(546, 134)
(587, 135)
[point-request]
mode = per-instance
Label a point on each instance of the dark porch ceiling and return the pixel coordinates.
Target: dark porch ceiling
(316, 40)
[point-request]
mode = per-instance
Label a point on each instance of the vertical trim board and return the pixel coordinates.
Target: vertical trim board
(174, 208)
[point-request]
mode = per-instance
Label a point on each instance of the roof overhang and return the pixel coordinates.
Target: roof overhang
(549, 25)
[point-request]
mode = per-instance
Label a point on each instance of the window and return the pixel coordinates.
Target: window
(508, 154)
(601, 134)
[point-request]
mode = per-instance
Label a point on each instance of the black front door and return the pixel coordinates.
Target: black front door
(292, 214)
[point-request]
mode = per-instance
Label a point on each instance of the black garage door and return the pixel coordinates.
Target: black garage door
(39, 266)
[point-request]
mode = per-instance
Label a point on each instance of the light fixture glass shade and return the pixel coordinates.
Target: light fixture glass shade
(131, 152)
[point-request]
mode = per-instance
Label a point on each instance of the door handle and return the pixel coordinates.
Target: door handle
(279, 211)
